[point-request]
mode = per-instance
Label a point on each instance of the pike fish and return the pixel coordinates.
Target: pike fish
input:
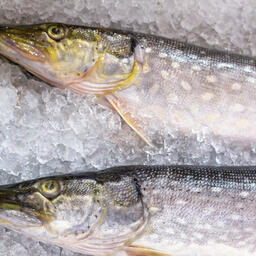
(139, 211)
(152, 82)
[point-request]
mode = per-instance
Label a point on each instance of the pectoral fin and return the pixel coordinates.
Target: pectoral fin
(143, 251)
(127, 117)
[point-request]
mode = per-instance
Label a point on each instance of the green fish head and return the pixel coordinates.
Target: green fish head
(86, 60)
(16, 207)
(90, 213)
(49, 208)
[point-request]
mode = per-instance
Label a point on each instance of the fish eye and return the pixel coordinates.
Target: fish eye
(50, 188)
(56, 32)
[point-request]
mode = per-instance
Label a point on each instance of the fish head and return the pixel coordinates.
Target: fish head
(49, 207)
(82, 214)
(86, 60)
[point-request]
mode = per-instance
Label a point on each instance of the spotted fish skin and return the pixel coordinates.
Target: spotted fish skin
(199, 210)
(154, 83)
(189, 89)
(139, 210)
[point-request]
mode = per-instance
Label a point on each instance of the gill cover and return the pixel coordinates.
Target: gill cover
(116, 217)
(111, 70)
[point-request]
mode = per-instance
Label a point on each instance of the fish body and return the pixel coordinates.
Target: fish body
(154, 83)
(139, 210)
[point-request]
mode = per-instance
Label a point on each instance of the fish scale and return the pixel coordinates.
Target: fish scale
(139, 210)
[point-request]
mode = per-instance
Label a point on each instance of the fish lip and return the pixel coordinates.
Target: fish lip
(13, 53)
(11, 45)
(10, 200)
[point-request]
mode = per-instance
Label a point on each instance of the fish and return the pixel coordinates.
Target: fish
(153, 83)
(139, 210)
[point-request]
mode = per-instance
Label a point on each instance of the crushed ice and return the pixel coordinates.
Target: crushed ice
(44, 130)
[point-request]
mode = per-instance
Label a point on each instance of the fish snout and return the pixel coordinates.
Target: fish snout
(15, 210)
(20, 44)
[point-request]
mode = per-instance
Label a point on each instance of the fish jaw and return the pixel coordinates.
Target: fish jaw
(16, 43)
(27, 46)
(15, 212)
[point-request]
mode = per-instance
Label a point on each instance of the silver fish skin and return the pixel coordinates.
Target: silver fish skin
(190, 89)
(139, 210)
(156, 84)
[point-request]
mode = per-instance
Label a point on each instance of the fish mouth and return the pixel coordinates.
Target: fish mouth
(18, 46)
(16, 212)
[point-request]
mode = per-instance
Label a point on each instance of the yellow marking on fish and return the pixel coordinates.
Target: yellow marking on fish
(131, 77)
(61, 46)
(207, 96)
(92, 75)
(177, 117)
(148, 50)
(104, 76)
(237, 107)
(243, 123)
(96, 65)
(97, 37)
(131, 121)
(213, 116)
(69, 42)
(61, 225)
(146, 67)
(194, 109)
(175, 65)
(211, 79)
(134, 250)
(158, 110)
(164, 74)
(4, 221)
(154, 209)
(186, 86)
(196, 68)
(236, 86)
(162, 55)
(53, 53)
(172, 98)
